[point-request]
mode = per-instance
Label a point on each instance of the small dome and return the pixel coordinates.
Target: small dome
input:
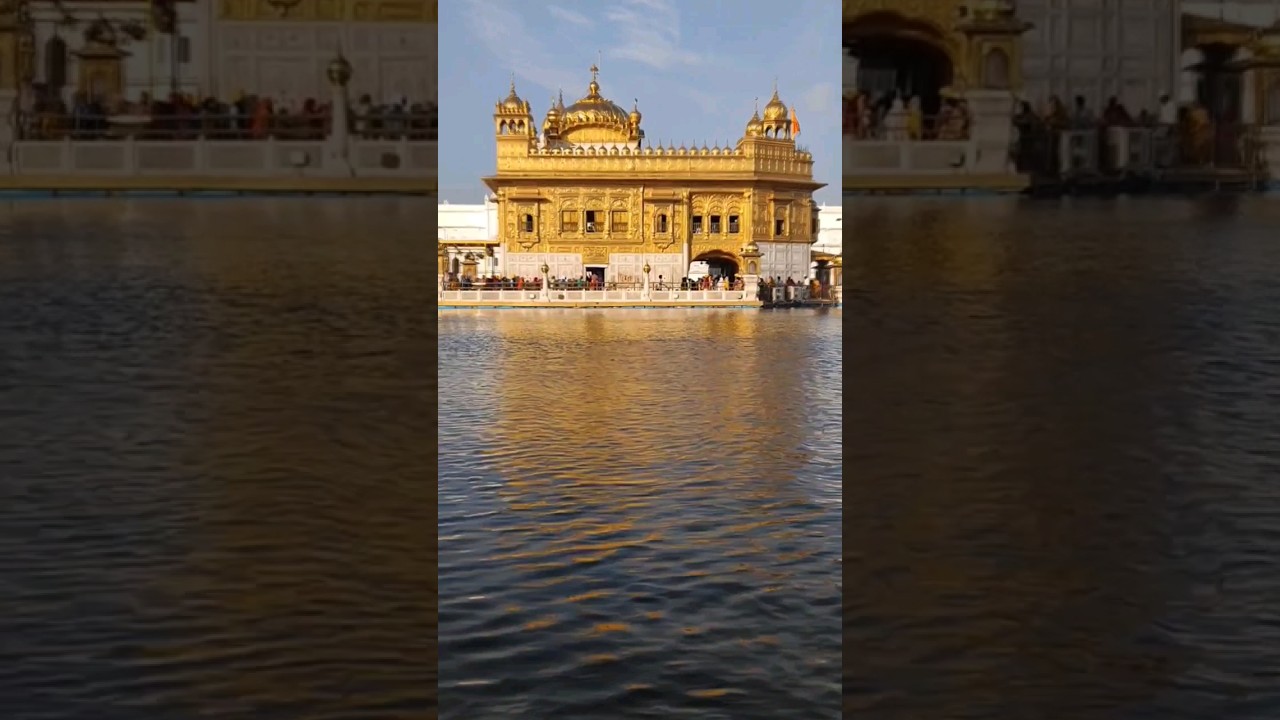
(775, 110)
(753, 125)
(513, 101)
(751, 249)
(635, 113)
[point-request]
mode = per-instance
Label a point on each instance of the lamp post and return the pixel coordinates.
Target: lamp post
(645, 295)
(545, 291)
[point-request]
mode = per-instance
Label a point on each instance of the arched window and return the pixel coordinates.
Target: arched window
(55, 62)
(995, 68)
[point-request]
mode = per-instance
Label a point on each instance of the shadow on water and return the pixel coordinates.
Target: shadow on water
(211, 495)
(1062, 499)
(641, 514)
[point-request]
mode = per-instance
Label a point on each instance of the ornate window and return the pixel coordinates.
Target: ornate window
(779, 227)
(568, 221)
(715, 224)
(618, 222)
(733, 224)
(526, 223)
(594, 220)
(662, 223)
(697, 224)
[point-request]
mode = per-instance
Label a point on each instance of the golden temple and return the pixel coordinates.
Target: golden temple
(585, 194)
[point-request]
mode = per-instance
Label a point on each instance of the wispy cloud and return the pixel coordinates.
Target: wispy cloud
(502, 32)
(570, 16)
(650, 34)
(820, 99)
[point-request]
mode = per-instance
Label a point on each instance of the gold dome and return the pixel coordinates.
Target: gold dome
(513, 102)
(754, 127)
(775, 110)
(635, 116)
(607, 121)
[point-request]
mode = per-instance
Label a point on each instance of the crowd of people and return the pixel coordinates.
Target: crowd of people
(588, 282)
(1185, 134)
(246, 117)
(893, 116)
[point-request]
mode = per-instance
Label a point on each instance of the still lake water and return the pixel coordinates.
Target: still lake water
(214, 428)
(640, 514)
(1063, 500)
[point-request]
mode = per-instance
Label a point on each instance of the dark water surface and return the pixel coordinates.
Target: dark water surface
(1064, 497)
(214, 421)
(640, 514)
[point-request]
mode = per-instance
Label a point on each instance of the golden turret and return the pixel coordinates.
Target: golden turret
(776, 124)
(512, 115)
(754, 129)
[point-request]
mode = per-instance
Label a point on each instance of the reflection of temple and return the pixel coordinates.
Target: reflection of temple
(588, 195)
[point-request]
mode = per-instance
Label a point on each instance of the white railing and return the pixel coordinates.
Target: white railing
(209, 158)
(562, 297)
(907, 157)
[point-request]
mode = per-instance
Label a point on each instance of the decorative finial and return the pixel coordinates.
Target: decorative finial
(513, 83)
(635, 103)
(757, 105)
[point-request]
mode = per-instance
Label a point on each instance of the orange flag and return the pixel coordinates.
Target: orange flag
(795, 124)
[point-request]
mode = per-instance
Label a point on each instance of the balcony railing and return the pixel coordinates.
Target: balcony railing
(56, 126)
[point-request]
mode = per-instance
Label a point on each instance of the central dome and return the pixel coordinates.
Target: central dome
(596, 119)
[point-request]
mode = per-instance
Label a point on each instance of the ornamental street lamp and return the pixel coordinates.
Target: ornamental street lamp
(646, 280)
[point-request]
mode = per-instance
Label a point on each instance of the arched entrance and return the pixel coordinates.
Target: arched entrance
(1219, 86)
(896, 54)
(719, 263)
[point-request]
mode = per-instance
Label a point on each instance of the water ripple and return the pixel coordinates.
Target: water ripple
(640, 514)
(1063, 495)
(211, 415)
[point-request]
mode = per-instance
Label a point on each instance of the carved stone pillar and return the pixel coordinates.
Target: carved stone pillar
(337, 159)
(993, 65)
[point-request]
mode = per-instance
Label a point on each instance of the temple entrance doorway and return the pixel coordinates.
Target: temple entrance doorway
(897, 55)
(719, 264)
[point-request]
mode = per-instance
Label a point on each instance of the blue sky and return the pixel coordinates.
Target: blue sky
(696, 67)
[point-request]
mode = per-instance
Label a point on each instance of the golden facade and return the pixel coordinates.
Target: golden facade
(588, 193)
(979, 39)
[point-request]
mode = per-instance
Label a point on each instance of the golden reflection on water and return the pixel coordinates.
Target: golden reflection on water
(659, 476)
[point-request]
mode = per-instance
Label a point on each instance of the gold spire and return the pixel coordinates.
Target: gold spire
(593, 88)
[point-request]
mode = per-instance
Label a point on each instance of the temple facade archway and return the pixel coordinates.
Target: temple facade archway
(906, 56)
